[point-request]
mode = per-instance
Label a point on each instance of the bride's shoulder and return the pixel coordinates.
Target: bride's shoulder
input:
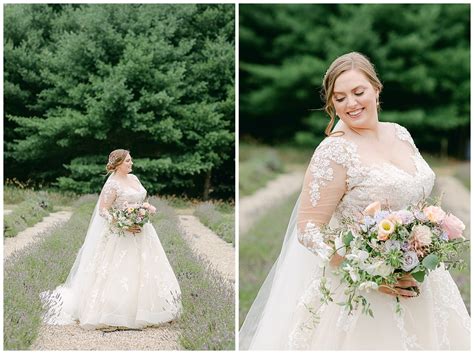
(133, 177)
(337, 149)
(112, 183)
(336, 143)
(400, 131)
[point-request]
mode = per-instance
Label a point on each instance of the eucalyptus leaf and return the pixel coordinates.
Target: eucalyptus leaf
(431, 261)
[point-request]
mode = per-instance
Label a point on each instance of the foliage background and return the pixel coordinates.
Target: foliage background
(81, 80)
(421, 53)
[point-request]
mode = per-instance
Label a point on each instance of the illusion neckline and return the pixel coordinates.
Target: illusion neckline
(140, 187)
(377, 165)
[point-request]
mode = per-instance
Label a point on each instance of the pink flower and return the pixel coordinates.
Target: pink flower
(372, 209)
(150, 207)
(386, 228)
(453, 227)
(434, 214)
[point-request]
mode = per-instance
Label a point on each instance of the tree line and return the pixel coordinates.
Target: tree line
(81, 80)
(421, 53)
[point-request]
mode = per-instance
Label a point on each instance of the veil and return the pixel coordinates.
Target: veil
(62, 303)
(267, 325)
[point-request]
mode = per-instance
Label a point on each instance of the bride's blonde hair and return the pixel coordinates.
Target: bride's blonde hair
(116, 157)
(349, 61)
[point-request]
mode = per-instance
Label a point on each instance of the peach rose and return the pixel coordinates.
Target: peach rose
(372, 209)
(386, 228)
(434, 214)
(453, 227)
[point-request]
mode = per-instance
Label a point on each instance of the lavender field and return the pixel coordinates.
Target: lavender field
(207, 322)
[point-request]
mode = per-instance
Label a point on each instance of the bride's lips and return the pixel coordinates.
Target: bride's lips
(356, 113)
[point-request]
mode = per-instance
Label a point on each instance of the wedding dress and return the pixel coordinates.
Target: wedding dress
(119, 281)
(342, 179)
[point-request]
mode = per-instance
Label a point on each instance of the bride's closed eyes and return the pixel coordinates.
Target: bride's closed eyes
(357, 94)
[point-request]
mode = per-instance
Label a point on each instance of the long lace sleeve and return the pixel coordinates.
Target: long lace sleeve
(324, 186)
(107, 198)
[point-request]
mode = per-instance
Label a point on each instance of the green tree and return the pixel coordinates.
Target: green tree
(87, 79)
(421, 52)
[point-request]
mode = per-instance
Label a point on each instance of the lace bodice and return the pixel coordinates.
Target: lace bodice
(114, 194)
(341, 181)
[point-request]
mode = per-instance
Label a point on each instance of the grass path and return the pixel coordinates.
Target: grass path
(259, 247)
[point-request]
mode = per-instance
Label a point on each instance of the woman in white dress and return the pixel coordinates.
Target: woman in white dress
(120, 281)
(362, 161)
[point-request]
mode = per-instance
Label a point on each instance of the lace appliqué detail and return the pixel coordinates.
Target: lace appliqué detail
(309, 308)
(333, 149)
(408, 341)
(315, 241)
(108, 196)
(449, 299)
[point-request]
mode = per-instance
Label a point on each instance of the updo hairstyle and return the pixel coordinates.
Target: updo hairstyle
(116, 158)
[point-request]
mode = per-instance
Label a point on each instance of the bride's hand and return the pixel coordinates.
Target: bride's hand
(401, 288)
(134, 229)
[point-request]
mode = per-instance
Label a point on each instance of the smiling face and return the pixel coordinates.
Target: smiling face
(126, 166)
(355, 100)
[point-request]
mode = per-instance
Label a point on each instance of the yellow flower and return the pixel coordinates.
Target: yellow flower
(386, 228)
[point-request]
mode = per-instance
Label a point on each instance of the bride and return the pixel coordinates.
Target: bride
(117, 280)
(364, 161)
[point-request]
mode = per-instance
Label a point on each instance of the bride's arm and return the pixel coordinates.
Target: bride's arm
(323, 187)
(106, 200)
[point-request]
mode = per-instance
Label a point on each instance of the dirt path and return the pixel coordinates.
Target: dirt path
(211, 247)
(73, 337)
(254, 206)
(35, 233)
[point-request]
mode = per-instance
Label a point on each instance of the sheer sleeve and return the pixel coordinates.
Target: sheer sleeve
(324, 186)
(107, 198)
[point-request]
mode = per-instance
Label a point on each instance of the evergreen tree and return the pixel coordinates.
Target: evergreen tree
(421, 52)
(87, 79)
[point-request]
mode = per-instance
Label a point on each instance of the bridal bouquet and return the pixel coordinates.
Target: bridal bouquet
(130, 215)
(382, 246)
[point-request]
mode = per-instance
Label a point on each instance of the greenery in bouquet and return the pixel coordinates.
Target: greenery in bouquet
(130, 215)
(382, 246)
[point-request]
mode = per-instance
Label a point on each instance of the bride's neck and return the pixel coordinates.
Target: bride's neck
(373, 132)
(120, 175)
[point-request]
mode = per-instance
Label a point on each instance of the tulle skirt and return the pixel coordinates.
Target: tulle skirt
(129, 283)
(436, 319)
